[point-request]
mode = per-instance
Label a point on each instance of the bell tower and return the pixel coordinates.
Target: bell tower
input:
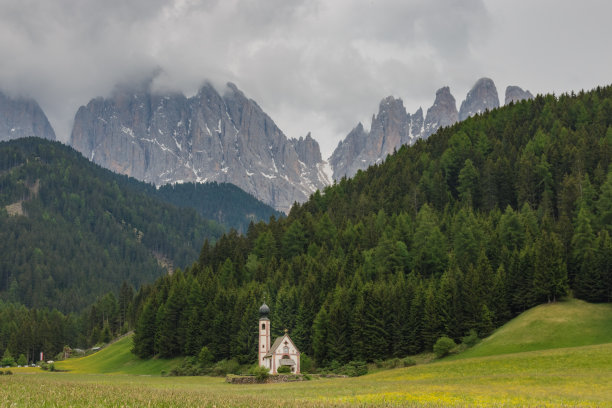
(264, 333)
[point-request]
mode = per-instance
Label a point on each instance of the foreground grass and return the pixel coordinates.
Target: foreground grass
(556, 325)
(580, 376)
(117, 359)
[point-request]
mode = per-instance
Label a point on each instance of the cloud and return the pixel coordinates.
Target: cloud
(313, 65)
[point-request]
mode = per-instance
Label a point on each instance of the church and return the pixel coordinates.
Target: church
(282, 353)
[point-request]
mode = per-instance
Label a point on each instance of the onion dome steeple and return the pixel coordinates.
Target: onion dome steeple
(264, 311)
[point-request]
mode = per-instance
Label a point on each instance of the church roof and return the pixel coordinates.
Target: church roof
(278, 342)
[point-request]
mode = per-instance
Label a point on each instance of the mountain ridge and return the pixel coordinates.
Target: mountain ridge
(169, 138)
(360, 148)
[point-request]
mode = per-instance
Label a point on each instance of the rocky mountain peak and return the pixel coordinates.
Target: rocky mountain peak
(516, 94)
(308, 150)
(390, 127)
(343, 160)
(22, 117)
(393, 127)
(443, 113)
(482, 97)
(168, 138)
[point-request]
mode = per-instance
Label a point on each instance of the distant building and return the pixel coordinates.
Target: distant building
(282, 353)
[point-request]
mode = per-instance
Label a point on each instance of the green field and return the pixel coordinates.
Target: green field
(556, 325)
(117, 359)
(561, 376)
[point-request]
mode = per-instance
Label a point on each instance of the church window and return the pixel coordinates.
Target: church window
(263, 326)
(285, 349)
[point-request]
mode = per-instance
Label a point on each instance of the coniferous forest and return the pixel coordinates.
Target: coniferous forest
(75, 239)
(460, 232)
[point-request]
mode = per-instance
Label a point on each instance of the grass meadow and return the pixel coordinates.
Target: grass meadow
(117, 359)
(561, 368)
(579, 376)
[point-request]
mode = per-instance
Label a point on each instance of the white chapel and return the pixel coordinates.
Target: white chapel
(282, 353)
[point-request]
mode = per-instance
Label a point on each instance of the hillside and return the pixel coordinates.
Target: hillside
(465, 230)
(223, 202)
(572, 323)
(71, 231)
(117, 358)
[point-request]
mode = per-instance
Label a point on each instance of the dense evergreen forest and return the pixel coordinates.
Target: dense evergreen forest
(223, 202)
(459, 232)
(74, 231)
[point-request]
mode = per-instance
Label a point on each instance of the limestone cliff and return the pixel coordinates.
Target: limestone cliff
(482, 97)
(20, 117)
(516, 94)
(391, 128)
(170, 138)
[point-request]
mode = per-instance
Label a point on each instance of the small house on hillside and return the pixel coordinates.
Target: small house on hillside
(282, 353)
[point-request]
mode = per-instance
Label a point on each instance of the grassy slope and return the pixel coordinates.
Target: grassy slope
(579, 376)
(564, 324)
(570, 364)
(117, 359)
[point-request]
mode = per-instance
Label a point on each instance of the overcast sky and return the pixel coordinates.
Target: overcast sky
(312, 65)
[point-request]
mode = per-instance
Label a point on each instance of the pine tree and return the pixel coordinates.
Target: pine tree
(144, 336)
(319, 337)
(338, 334)
(550, 271)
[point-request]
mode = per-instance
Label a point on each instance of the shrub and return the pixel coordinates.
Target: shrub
(306, 364)
(471, 339)
(408, 361)
(188, 367)
(443, 346)
(393, 363)
(225, 367)
(8, 372)
(205, 358)
(283, 370)
(334, 366)
(261, 373)
(1, 372)
(355, 368)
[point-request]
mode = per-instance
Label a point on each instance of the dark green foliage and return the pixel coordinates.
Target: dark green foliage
(443, 346)
(471, 339)
(408, 362)
(7, 359)
(354, 369)
(188, 367)
(225, 367)
(84, 230)
(456, 234)
(262, 373)
(22, 360)
(282, 369)
(306, 364)
(205, 358)
(223, 202)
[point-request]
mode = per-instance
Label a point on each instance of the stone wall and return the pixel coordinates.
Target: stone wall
(244, 379)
